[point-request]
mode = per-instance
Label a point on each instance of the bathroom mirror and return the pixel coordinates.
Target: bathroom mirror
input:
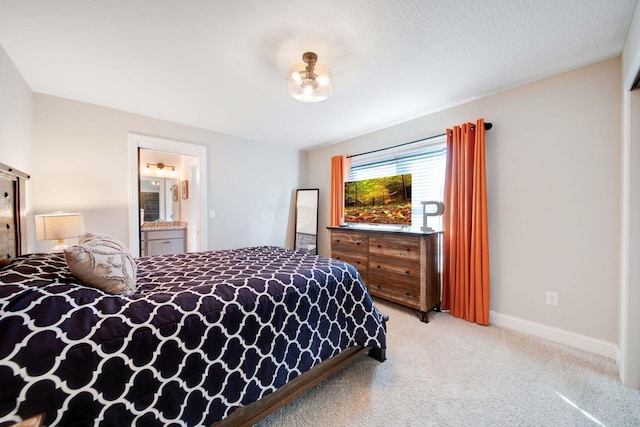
(307, 220)
(157, 199)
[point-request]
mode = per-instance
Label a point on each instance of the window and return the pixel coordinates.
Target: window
(427, 165)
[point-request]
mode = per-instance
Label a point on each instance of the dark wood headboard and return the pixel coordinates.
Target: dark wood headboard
(12, 213)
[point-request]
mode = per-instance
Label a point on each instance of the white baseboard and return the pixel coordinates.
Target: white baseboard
(582, 342)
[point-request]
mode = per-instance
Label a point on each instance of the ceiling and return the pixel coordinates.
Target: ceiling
(222, 65)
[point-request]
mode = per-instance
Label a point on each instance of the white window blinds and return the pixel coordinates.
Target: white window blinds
(426, 164)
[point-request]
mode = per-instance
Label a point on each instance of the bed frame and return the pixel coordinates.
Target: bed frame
(254, 412)
(12, 217)
(13, 243)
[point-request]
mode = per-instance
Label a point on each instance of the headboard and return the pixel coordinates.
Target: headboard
(12, 213)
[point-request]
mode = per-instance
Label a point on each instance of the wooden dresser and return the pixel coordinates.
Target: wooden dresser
(398, 266)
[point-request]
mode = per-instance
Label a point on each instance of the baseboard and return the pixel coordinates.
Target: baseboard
(582, 342)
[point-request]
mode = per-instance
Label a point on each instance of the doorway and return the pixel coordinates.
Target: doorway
(191, 184)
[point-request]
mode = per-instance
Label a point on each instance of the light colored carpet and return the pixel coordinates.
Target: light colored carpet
(453, 373)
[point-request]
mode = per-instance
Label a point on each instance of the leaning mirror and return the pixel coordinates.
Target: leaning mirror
(307, 220)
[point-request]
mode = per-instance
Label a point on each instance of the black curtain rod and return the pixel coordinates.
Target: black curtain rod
(487, 126)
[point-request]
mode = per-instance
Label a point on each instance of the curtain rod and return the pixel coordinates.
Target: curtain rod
(487, 126)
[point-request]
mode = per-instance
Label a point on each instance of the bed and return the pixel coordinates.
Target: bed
(209, 337)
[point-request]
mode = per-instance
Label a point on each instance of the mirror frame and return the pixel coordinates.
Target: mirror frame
(298, 244)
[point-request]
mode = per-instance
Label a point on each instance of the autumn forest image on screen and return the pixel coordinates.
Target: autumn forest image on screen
(385, 200)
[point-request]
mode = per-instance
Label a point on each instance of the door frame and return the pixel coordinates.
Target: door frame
(198, 187)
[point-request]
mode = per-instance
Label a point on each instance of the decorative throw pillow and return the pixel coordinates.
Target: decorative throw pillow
(102, 262)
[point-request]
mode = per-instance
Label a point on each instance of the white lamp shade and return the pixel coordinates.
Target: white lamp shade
(59, 226)
(303, 90)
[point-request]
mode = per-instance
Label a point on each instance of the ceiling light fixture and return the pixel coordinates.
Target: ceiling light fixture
(309, 80)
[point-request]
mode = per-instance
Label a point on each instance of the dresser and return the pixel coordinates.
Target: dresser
(398, 266)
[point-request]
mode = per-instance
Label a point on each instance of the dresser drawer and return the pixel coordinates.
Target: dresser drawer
(409, 297)
(395, 246)
(395, 272)
(164, 234)
(359, 261)
(349, 242)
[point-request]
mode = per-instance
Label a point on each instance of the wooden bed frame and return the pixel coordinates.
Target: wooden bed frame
(12, 217)
(254, 412)
(13, 243)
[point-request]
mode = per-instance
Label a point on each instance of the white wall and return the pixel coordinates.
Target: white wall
(15, 130)
(630, 231)
(553, 160)
(80, 163)
(631, 289)
(15, 116)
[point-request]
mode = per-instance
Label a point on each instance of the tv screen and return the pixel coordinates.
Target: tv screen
(385, 200)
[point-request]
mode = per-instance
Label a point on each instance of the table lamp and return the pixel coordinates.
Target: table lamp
(59, 226)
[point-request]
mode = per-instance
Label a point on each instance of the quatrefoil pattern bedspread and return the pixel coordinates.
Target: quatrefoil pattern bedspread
(204, 334)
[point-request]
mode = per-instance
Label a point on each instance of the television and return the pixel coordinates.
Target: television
(385, 200)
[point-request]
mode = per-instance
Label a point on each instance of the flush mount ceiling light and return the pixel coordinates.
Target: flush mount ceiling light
(309, 80)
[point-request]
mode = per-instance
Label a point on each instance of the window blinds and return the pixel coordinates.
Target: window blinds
(427, 167)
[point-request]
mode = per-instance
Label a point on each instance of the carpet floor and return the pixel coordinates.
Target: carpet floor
(454, 373)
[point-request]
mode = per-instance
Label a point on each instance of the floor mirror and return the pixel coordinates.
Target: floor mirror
(307, 220)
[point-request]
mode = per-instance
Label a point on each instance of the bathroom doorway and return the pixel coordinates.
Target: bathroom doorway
(165, 203)
(168, 178)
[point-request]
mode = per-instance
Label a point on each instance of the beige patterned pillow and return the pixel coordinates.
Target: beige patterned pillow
(102, 262)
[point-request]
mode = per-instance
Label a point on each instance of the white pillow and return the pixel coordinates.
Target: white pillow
(102, 262)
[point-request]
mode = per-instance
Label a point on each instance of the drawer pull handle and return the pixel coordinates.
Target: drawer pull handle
(337, 240)
(407, 294)
(337, 257)
(408, 249)
(407, 271)
(379, 246)
(358, 262)
(378, 266)
(357, 243)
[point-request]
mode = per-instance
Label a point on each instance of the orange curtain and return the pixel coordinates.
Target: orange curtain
(465, 275)
(339, 175)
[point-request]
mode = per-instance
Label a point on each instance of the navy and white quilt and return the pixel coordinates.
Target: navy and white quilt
(204, 334)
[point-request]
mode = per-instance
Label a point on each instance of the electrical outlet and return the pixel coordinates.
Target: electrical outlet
(552, 298)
